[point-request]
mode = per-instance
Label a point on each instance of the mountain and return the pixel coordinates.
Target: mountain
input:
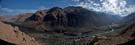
(58, 18)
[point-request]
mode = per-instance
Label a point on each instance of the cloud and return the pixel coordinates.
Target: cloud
(6, 9)
(25, 10)
(42, 8)
(117, 7)
(19, 11)
(16, 11)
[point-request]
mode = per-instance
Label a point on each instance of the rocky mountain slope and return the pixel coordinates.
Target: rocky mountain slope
(13, 36)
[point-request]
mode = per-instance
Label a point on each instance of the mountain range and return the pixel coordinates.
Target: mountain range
(73, 23)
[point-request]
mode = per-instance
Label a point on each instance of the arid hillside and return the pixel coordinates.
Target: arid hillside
(13, 36)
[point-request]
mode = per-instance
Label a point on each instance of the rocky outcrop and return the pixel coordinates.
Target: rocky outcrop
(56, 16)
(38, 16)
(13, 35)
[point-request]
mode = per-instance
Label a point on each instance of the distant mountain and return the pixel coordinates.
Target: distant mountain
(127, 20)
(130, 18)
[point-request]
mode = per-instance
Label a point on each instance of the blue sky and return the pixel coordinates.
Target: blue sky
(19, 6)
(34, 4)
(119, 7)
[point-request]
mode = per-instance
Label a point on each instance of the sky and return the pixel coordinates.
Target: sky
(116, 7)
